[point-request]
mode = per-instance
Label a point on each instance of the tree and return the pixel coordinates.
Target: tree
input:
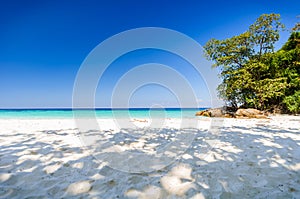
(293, 102)
(244, 60)
(289, 60)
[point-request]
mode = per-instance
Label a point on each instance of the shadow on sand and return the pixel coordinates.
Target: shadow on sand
(261, 162)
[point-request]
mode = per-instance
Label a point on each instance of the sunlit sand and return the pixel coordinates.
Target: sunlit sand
(249, 158)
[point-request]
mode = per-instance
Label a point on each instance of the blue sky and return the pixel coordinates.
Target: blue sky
(43, 43)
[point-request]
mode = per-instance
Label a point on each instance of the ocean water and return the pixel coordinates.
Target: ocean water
(99, 113)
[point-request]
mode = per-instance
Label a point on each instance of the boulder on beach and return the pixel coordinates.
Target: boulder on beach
(250, 113)
(213, 112)
(228, 113)
(204, 113)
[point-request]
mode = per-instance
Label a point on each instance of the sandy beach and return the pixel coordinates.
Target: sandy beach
(248, 158)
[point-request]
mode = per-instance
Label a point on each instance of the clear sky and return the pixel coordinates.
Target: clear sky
(43, 43)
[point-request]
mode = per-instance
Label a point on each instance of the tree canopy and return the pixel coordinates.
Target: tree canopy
(253, 74)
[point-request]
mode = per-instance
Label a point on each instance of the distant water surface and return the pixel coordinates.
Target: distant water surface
(100, 113)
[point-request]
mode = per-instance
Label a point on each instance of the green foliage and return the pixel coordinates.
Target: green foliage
(253, 74)
(265, 32)
(297, 27)
(293, 102)
(293, 42)
(232, 52)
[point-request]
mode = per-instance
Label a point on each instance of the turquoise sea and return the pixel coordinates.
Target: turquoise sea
(100, 113)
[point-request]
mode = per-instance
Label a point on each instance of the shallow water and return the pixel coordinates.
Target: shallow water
(100, 113)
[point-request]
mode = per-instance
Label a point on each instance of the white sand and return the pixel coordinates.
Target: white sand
(249, 159)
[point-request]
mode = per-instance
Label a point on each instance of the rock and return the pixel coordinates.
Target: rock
(229, 113)
(250, 113)
(203, 113)
(214, 112)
